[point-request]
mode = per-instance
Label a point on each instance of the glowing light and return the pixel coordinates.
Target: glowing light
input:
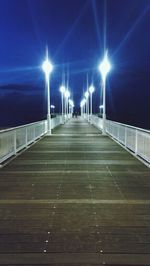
(101, 106)
(53, 106)
(91, 89)
(82, 102)
(67, 94)
(86, 94)
(105, 67)
(71, 103)
(47, 67)
(62, 89)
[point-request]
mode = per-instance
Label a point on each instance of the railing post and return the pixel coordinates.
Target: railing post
(15, 142)
(125, 143)
(45, 125)
(91, 120)
(26, 132)
(136, 142)
(118, 133)
(43, 128)
(34, 132)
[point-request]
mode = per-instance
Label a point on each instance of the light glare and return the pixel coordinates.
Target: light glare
(86, 94)
(71, 103)
(47, 67)
(62, 89)
(82, 103)
(91, 89)
(105, 67)
(67, 94)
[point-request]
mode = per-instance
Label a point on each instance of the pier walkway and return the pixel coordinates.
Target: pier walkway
(75, 198)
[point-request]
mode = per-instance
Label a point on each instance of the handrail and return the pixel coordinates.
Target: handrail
(139, 128)
(14, 128)
(13, 140)
(132, 138)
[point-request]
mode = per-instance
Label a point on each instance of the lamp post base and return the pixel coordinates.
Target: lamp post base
(63, 120)
(104, 125)
(49, 131)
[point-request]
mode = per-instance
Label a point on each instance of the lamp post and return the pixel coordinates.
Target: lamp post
(82, 106)
(71, 106)
(104, 69)
(62, 90)
(47, 68)
(53, 107)
(91, 90)
(87, 104)
(67, 95)
(101, 110)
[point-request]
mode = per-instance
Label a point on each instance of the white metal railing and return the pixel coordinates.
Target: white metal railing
(135, 139)
(56, 121)
(97, 121)
(13, 140)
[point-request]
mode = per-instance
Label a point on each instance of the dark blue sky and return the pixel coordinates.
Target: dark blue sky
(76, 32)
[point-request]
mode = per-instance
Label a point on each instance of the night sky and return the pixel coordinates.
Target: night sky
(77, 33)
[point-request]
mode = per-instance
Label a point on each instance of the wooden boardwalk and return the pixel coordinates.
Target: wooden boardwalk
(75, 198)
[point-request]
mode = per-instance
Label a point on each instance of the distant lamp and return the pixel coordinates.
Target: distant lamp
(82, 106)
(86, 94)
(91, 89)
(82, 102)
(53, 107)
(87, 104)
(71, 106)
(71, 102)
(67, 94)
(62, 89)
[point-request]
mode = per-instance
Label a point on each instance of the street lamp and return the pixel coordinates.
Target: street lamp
(47, 68)
(87, 104)
(71, 106)
(101, 110)
(53, 107)
(104, 69)
(91, 90)
(62, 90)
(82, 106)
(67, 95)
